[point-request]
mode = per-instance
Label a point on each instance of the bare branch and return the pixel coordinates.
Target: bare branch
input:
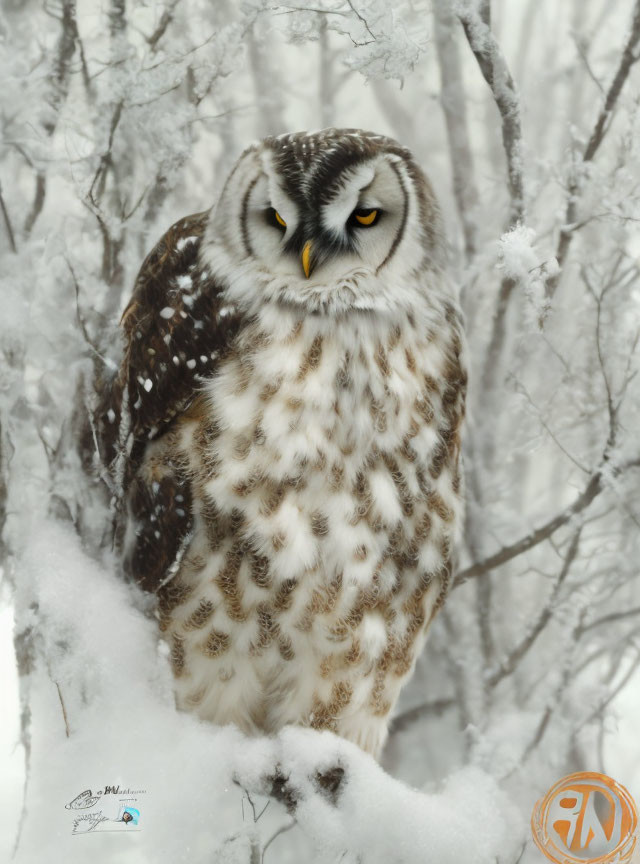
(629, 57)
(82, 324)
(581, 48)
(59, 87)
(64, 710)
(86, 78)
(407, 718)
(362, 20)
(7, 222)
(492, 63)
(616, 648)
(38, 203)
(165, 19)
(507, 553)
(496, 73)
(603, 121)
(282, 830)
(517, 654)
(599, 298)
(611, 695)
(520, 387)
(555, 697)
(105, 159)
(608, 619)
(455, 113)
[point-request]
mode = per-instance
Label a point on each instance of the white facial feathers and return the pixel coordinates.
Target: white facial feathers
(382, 266)
(270, 193)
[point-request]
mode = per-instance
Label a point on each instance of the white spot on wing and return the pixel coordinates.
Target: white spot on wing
(185, 241)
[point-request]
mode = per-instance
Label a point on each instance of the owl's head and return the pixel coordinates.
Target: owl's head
(328, 221)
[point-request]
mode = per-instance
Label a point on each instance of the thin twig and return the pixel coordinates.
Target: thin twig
(593, 488)
(520, 387)
(612, 694)
(362, 20)
(507, 553)
(519, 652)
(7, 222)
(165, 19)
(81, 322)
(402, 721)
(554, 701)
(598, 298)
(282, 830)
(64, 710)
(582, 53)
(603, 121)
(608, 619)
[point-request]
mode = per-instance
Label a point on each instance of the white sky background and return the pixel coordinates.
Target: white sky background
(541, 51)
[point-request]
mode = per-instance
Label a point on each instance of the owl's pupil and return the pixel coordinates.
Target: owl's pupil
(364, 217)
(274, 218)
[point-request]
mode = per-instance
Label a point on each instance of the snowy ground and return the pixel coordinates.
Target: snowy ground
(103, 715)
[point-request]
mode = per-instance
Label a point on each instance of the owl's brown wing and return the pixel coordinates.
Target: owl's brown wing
(176, 329)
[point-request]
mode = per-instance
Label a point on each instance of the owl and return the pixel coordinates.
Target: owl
(282, 438)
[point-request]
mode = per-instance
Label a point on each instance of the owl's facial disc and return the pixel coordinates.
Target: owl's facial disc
(328, 222)
(325, 232)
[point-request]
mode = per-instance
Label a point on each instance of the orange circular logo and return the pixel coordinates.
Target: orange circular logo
(585, 817)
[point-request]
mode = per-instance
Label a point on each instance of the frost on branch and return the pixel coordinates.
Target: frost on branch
(386, 39)
(521, 262)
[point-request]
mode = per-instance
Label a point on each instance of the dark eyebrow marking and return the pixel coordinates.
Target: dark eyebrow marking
(403, 223)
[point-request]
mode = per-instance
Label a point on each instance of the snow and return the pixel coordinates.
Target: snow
(99, 656)
(521, 262)
(383, 820)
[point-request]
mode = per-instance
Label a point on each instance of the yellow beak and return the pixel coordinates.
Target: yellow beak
(306, 258)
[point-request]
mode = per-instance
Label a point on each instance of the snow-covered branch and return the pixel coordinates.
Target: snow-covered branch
(494, 68)
(455, 112)
(513, 550)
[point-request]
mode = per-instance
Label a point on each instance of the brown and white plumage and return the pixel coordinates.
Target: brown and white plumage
(289, 443)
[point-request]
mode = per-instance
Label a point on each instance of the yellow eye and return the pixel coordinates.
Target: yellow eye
(279, 219)
(366, 217)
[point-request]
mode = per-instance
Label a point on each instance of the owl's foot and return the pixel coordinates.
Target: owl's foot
(327, 782)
